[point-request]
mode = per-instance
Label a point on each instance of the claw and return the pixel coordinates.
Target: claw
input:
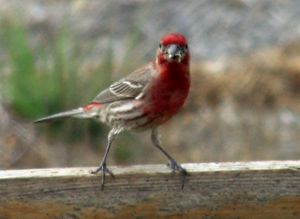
(174, 166)
(103, 169)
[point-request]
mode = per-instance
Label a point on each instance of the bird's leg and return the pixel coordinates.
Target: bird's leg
(102, 167)
(173, 164)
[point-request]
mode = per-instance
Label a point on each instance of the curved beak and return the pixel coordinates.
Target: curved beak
(174, 52)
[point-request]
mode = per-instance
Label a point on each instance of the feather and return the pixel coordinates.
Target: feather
(128, 88)
(73, 113)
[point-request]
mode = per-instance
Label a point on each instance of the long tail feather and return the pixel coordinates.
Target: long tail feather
(88, 111)
(70, 113)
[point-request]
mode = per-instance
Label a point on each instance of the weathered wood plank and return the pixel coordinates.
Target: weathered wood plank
(213, 190)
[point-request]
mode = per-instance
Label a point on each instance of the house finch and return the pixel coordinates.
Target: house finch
(144, 99)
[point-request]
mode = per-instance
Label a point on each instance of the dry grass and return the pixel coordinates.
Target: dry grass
(266, 80)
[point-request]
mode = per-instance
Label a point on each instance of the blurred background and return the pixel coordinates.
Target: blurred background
(57, 55)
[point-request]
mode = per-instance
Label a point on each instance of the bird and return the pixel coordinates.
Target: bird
(142, 100)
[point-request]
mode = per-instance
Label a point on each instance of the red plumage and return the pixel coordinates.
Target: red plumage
(143, 100)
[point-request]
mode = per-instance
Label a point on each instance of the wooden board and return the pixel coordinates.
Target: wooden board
(263, 190)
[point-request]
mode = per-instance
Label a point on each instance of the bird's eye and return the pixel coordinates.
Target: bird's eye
(186, 47)
(162, 48)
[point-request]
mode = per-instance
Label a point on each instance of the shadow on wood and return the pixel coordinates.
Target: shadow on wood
(263, 190)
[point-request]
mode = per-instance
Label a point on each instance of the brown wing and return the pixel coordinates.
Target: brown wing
(128, 88)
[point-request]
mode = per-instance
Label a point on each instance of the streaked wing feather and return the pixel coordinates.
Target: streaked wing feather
(128, 88)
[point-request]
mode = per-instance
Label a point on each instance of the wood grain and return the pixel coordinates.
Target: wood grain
(263, 190)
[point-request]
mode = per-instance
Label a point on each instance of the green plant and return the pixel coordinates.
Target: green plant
(49, 78)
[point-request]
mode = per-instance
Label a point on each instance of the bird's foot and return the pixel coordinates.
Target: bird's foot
(174, 166)
(103, 170)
